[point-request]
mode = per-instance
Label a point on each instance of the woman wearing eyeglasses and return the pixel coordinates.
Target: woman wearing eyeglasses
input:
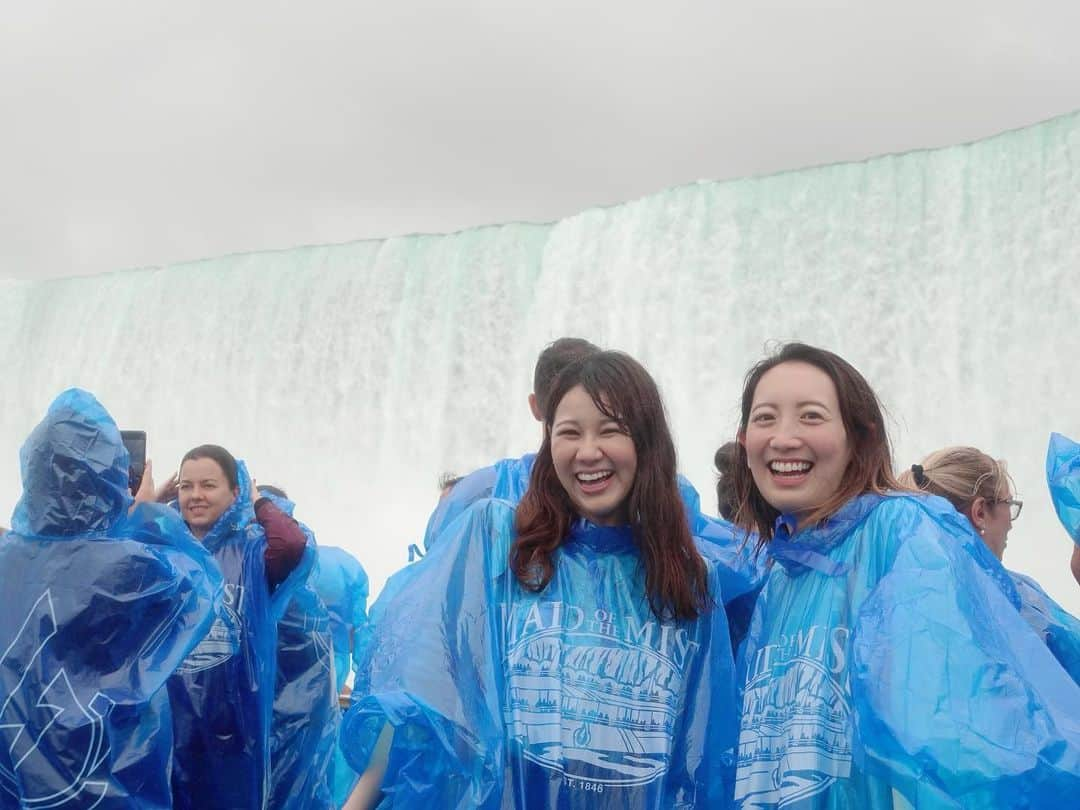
(981, 489)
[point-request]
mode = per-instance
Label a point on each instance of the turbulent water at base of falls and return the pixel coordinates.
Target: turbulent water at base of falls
(353, 375)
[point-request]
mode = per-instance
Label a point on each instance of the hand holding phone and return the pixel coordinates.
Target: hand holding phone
(135, 442)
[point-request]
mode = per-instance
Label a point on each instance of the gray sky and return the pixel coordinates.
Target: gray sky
(141, 133)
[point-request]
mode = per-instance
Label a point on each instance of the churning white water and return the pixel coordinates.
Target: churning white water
(352, 375)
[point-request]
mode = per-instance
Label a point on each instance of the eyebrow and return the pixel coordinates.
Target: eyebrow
(800, 404)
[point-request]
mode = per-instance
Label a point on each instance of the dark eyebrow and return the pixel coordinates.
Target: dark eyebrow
(812, 402)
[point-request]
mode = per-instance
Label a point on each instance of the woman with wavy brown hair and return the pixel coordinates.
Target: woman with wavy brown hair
(885, 666)
(572, 653)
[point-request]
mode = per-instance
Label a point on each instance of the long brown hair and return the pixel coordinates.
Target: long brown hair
(675, 575)
(870, 467)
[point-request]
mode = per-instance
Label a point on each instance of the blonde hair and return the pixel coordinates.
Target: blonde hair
(960, 474)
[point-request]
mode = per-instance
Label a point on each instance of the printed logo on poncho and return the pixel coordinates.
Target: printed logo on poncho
(223, 640)
(39, 720)
(594, 696)
(795, 738)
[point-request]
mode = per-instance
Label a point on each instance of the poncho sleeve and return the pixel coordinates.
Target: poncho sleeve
(1063, 479)
(429, 669)
(474, 487)
(957, 702)
(1059, 629)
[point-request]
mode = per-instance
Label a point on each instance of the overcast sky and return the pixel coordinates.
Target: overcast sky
(145, 133)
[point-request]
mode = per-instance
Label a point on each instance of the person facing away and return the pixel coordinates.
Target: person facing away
(884, 665)
(570, 653)
(980, 488)
(306, 717)
(103, 599)
(342, 584)
(222, 694)
(508, 478)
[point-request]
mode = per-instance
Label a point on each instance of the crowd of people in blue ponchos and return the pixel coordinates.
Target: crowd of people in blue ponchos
(579, 631)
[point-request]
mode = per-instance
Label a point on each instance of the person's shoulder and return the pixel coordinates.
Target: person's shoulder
(915, 508)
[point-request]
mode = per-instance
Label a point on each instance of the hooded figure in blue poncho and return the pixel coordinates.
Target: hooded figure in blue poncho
(981, 490)
(571, 653)
(101, 603)
(342, 584)
(1063, 478)
(886, 664)
(222, 695)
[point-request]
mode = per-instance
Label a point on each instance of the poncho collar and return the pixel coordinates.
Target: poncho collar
(807, 549)
(601, 538)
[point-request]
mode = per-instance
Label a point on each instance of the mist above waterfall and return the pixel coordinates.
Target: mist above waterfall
(353, 375)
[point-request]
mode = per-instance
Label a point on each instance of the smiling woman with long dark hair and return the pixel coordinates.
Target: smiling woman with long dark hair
(886, 664)
(572, 654)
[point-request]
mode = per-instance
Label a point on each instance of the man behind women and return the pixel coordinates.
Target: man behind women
(103, 599)
(979, 487)
(508, 479)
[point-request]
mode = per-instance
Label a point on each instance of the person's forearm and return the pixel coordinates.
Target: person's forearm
(1076, 563)
(366, 793)
(285, 541)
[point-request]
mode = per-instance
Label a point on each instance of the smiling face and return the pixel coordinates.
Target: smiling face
(204, 494)
(594, 458)
(796, 445)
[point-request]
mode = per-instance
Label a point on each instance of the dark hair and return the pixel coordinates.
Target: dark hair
(870, 467)
(553, 359)
(216, 453)
(675, 575)
(724, 461)
(277, 492)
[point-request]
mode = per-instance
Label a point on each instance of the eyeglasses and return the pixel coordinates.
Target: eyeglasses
(1015, 506)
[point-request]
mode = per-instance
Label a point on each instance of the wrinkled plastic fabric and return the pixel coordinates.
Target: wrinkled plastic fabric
(508, 480)
(576, 697)
(222, 695)
(888, 666)
(99, 608)
(306, 715)
(1063, 478)
(1058, 628)
(342, 584)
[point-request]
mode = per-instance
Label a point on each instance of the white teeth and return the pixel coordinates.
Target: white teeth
(590, 477)
(789, 466)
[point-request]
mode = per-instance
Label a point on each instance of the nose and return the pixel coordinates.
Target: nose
(589, 450)
(785, 436)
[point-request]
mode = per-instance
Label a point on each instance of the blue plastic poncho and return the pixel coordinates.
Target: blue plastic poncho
(887, 666)
(576, 697)
(223, 693)
(508, 480)
(1059, 629)
(99, 608)
(1063, 478)
(306, 715)
(342, 584)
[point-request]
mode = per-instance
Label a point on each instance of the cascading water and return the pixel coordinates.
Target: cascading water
(352, 375)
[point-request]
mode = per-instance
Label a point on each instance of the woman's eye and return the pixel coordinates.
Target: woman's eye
(812, 416)
(762, 418)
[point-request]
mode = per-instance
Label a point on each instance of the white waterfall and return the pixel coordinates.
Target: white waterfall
(352, 375)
